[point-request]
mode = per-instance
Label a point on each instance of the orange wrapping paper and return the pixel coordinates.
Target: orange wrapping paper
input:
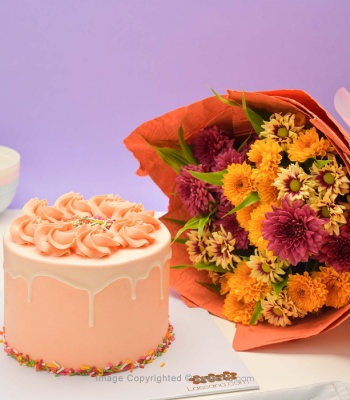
(163, 131)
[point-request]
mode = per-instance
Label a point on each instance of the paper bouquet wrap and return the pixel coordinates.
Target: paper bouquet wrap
(258, 186)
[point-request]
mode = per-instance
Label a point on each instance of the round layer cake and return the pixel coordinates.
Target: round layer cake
(86, 285)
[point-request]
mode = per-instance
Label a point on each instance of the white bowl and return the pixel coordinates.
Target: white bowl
(9, 175)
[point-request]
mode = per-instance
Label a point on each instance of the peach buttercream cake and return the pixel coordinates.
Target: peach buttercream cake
(86, 286)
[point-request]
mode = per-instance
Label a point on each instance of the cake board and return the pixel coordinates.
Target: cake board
(199, 349)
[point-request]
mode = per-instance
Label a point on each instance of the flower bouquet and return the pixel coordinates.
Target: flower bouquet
(259, 210)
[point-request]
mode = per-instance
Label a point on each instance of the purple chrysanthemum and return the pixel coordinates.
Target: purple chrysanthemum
(226, 158)
(230, 156)
(293, 231)
(230, 224)
(208, 143)
(336, 250)
(194, 193)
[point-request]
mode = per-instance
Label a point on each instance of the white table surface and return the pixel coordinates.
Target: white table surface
(322, 358)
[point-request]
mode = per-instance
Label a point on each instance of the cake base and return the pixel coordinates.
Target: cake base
(54, 368)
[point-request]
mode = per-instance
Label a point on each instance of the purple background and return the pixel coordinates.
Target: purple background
(76, 77)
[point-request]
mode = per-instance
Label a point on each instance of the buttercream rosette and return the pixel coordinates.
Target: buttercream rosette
(241, 116)
(92, 228)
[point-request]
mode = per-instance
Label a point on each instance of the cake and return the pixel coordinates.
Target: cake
(86, 286)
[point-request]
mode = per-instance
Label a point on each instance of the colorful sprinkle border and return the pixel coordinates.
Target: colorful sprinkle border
(85, 370)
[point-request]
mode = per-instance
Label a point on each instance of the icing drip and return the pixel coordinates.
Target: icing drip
(63, 242)
(93, 282)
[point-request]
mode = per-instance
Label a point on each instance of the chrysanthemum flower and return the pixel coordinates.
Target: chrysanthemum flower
(293, 231)
(221, 249)
(225, 288)
(306, 293)
(193, 192)
(245, 286)
(230, 224)
(300, 119)
(337, 285)
(330, 178)
(237, 182)
(294, 181)
(226, 158)
(214, 277)
(294, 311)
(255, 226)
(243, 215)
(267, 192)
(326, 207)
(277, 309)
(237, 310)
(308, 144)
(281, 129)
(336, 250)
(196, 247)
(210, 142)
(266, 267)
(266, 156)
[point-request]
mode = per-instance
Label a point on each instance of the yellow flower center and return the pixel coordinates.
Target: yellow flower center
(328, 177)
(265, 267)
(325, 212)
(282, 132)
(294, 185)
(277, 311)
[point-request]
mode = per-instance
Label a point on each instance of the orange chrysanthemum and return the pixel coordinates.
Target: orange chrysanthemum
(214, 277)
(300, 120)
(244, 286)
(266, 156)
(255, 226)
(243, 215)
(306, 293)
(237, 182)
(309, 144)
(225, 288)
(267, 192)
(237, 310)
(337, 285)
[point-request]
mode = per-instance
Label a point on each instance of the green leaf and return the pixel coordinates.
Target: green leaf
(278, 286)
(256, 313)
(193, 223)
(211, 286)
(251, 199)
(180, 240)
(210, 267)
(186, 149)
(181, 266)
(241, 146)
(202, 222)
(254, 118)
(174, 158)
(322, 163)
(213, 178)
(228, 102)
